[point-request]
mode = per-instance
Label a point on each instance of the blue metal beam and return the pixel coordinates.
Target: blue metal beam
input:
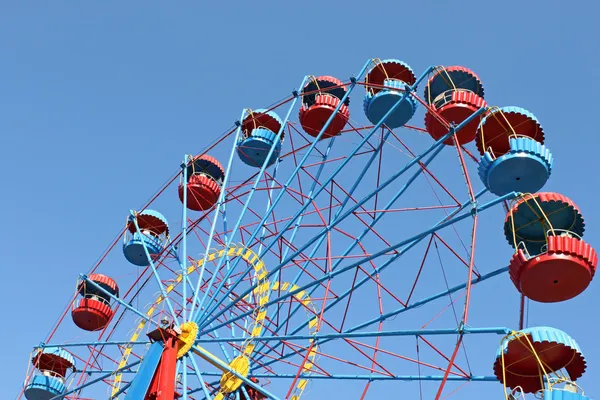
(358, 239)
(401, 310)
(225, 367)
(184, 229)
(220, 203)
(384, 265)
(101, 378)
(293, 175)
(280, 195)
(245, 207)
(472, 378)
(203, 386)
(336, 221)
(343, 335)
(183, 265)
(410, 242)
(228, 268)
(368, 164)
(85, 344)
(115, 298)
(133, 218)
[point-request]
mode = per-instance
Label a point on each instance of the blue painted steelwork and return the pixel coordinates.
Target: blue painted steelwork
(340, 209)
(244, 379)
(228, 265)
(362, 235)
(383, 266)
(113, 297)
(203, 387)
(337, 220)
(298, 222)
(78, 344)
(154, 271)
(247, 203)
(244, 209)
(525, 168)
(220, 203)
(321, 336)
(291, 178)
(184, 229)
(141, 383)
(262, 238)
(183, 263)
(372, 377)
(320, 189)
(407, 242)
(93, 381)
(409, 307)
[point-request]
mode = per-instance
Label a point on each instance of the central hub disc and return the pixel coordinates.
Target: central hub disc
(230, 382)
(187, 337)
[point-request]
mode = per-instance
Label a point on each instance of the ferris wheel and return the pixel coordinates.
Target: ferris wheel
(332, 253)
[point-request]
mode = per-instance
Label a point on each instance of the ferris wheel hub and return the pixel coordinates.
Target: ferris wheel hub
(229, 381)
(187, 337)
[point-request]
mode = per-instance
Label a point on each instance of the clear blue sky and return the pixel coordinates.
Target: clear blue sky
(99, 102)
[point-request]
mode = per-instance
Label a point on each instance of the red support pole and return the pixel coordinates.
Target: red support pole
(162, 386)
(467, 304)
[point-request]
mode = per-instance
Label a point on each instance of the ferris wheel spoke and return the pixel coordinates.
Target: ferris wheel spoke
(88, 344)
(348, 338)
(113, 297)
(408, 242)
(224, 367)
(437, 181)
(371, 377)
(383, 317)
(270, 209)
(369, 226)
(219, 204)
(460, 342)
(377, 126)
(154, 270)
(183, 265)
(351, 333)
(94, 381)
(203, 386)
(319, 236)
(228, 268)
(425, 169)
(245, 207)
(297, 224)
(251, 191)
(361, 175)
